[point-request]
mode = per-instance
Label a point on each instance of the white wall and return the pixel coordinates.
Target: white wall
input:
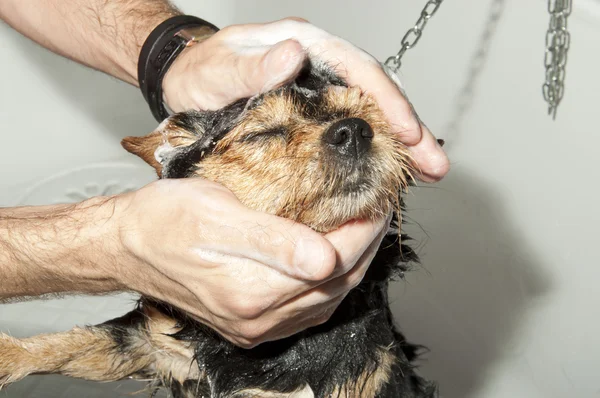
(506, 296)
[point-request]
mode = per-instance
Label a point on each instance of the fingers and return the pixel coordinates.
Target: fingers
(313, 308)
(352, 239)
(358, 265)
(287, 246)
(279, 65)
(431, 158)
(301, 308)
(232, 229)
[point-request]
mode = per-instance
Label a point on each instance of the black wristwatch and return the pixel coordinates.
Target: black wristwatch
(159, 51)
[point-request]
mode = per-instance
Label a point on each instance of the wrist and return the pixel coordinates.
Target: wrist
(93, 246)
(161, 49)
(115, 32)
(129, 63)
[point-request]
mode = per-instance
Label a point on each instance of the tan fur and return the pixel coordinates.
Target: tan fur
(370, 382)
(87, 353)
(366, 386)
(300, 182)
(166, 133)
(173, 358)
(90, 353)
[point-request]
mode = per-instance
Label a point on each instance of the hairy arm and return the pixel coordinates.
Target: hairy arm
(190, 243)
(104, 34)
(56, 249)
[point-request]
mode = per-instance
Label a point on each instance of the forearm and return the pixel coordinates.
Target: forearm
(56, 249)
(104, 34)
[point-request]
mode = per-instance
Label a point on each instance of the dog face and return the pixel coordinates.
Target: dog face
(315, 151)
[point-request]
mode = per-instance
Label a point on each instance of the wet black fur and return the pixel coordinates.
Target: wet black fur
(323, 357)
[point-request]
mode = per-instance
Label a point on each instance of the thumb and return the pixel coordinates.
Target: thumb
(285, 245)
(280, 64)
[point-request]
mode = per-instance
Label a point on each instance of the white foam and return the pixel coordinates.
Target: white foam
(164, 152)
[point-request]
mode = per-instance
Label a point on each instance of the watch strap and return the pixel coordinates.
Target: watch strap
(160, 50)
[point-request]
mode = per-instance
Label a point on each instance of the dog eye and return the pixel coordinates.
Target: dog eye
(278, 132)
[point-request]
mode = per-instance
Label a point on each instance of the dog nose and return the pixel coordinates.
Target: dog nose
(349, 137)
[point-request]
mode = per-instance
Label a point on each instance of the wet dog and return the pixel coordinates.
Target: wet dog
(315, 151)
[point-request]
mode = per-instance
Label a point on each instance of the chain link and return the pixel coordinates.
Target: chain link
(412, 37)
(558, 41)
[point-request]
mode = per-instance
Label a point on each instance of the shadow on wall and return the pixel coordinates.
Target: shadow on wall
(478, 283)
(468, 92)
(116, 106)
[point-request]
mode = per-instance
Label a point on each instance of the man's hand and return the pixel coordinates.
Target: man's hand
(244, 60)
(252, 277)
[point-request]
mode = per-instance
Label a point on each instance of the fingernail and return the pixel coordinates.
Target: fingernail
(309, 257)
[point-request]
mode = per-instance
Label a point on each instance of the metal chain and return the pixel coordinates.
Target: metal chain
(411, 38)
(558, 40)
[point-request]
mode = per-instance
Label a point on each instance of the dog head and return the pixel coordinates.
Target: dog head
(315, 151)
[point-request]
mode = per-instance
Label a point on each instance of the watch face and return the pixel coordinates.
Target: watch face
(195, 34)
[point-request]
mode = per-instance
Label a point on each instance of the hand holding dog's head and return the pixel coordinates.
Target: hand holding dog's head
(315, 151)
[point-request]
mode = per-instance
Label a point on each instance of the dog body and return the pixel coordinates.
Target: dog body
(315, 151)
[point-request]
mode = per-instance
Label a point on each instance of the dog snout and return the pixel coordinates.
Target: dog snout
(349, 137)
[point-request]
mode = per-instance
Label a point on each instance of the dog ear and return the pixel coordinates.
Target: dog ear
(181, 141)
(169, 134)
